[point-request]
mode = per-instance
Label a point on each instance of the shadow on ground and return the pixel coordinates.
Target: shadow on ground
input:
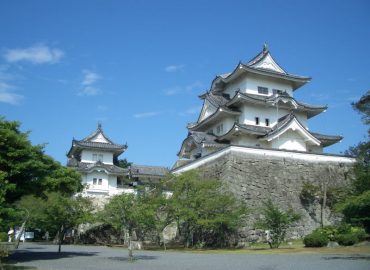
(136, 258)
(353, 258)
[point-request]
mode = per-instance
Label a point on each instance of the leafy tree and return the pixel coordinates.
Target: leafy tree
(57, 213)
(206, 213)
(25, 169)
(356, 209)
(363, 107)
(277, 222)
(129, 212)
(123, 163)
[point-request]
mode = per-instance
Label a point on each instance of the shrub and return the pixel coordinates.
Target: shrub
(316, 239)
(347, 239)
(3, 237)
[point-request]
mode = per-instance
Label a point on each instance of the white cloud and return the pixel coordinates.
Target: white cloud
(7, 96)
(90, 77)
(89, 91)
(146, 114)
(174, 68)
(88, 82)
(36, 54)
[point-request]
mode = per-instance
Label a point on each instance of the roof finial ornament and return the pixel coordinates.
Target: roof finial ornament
(99, 125)
(265, 47)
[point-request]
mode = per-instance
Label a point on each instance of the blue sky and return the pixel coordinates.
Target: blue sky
(138, 66)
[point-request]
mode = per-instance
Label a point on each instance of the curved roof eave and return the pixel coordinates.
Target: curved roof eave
(283, 128)
(297, 80)
(213, 116)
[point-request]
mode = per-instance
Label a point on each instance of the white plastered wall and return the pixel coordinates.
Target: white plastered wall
(253, 81)
(87, 156)
(290, 141)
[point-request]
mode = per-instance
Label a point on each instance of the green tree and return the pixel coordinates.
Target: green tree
(277, 222)
(363, 107)
(56, 213)
(356, 209)
(25, 169)
(205, 211)
(127, 212)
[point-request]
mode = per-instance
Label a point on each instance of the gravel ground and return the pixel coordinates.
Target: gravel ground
(45, 257)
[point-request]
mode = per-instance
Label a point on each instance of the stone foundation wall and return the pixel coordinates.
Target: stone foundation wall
(256, 178)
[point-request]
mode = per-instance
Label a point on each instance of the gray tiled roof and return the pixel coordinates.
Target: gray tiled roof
(85, 167)
(144, 170)
(100, 145)
(327, 140)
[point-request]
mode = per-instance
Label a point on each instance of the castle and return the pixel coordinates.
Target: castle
(253, 135)
(96, 158)
(254, 106)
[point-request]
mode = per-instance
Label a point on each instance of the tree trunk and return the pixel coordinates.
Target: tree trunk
(129, 246)
(60, 240)
(323, 205)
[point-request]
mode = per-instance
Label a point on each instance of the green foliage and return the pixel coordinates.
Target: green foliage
(3, 237)
(205, 211)
(56, 213)
(277, 222)
(356, 210)
(344, 234)
(316, 239)
(309, 193)
(123, 163)
(363, 107)
(25, 170)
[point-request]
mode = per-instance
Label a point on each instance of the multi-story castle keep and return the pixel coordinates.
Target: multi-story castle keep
(253, 135)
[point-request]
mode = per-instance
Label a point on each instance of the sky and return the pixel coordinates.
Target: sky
(137, 67)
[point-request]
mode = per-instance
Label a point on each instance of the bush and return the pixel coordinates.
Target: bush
(349, 235)
(316, 239)
(347, 239)
(3, 237)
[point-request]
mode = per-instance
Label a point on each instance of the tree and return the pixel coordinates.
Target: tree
(277, 222)
(205, 211)
(129, 212)
(363, 107)
(57, 213)
(356, 209)
(25, 169)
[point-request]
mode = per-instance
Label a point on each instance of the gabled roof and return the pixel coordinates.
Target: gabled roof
(264, 60)
(262, 64)
(197, 139)
(283, 100)
(220, 112)
(96, 140)
(245, 129)
(286, 123)
(111, 169)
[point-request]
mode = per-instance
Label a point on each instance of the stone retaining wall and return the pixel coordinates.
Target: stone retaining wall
(254, 178)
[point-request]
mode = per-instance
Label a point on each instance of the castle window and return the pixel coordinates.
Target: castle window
(94, 157)
(263, 90)
(100, 157)
(100, 181)
(257, 120)
(267, 122)
(277, 91)
(95, 180)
